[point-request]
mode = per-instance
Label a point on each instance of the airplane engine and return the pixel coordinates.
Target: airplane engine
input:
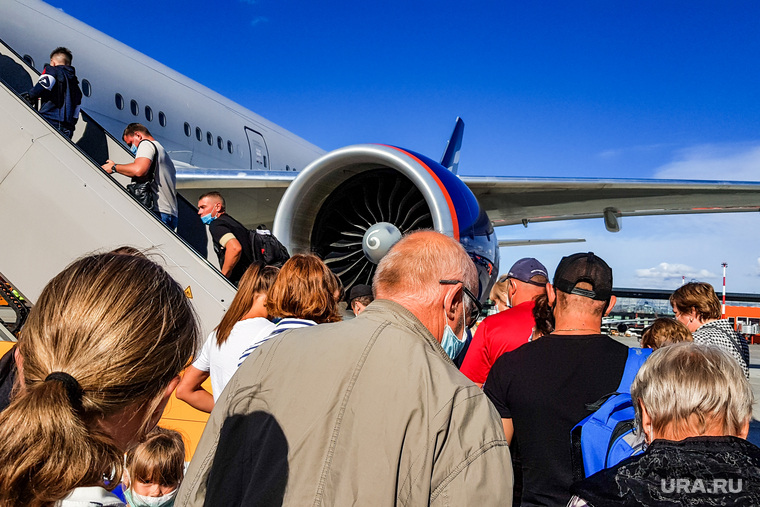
(352, 204)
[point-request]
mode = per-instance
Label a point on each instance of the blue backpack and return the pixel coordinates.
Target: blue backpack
(606, 437)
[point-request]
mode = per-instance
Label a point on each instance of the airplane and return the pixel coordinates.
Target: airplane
(347, 205)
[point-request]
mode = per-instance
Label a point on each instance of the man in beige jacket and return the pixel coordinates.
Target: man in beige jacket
(369, 411)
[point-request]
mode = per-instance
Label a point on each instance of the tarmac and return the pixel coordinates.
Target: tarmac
(754, 381)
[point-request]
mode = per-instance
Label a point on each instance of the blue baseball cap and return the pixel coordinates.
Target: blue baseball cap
(525, 269)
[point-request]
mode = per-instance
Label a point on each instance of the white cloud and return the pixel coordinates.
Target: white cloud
(666, 272)
(629, 150)
(258, 20)
(731, 162)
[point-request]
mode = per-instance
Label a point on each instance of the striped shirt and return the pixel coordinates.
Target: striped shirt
(284, 325)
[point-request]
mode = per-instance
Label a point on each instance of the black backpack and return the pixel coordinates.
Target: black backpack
(267, 248)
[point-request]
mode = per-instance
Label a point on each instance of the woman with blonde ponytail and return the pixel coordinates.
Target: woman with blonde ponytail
(98, 359)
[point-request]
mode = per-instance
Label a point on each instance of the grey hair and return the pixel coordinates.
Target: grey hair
(691, 386)
(410, 272)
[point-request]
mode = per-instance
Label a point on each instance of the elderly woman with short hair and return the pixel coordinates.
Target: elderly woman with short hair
(694, 406)
(698, 308)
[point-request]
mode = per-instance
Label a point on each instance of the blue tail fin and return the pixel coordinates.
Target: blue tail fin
(450, 158)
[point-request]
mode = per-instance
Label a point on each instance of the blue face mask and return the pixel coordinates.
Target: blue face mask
(133, 149)
(136, 500)
(450, 343)
(207, 219)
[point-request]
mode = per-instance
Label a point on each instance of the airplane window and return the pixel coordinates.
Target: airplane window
(134, 107)
(265, 161)
(229, 146)
(219, 142)
(148, 113)
(28, 59)
(198, 133)
(119, 101)
(162, 118)
(86, 88)
(187, 129)
(210, 138)
(287, 168)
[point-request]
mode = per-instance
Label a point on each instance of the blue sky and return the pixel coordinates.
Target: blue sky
(638, 89)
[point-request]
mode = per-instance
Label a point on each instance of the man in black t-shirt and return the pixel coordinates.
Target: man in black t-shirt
(541, 389)
(230, 237)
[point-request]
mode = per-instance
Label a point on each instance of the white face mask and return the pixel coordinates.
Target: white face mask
(509, 299)
(136, 500)
(451, 344)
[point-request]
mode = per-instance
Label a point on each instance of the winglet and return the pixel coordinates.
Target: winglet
(450, 158)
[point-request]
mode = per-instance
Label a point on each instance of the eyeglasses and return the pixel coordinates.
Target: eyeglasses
(474, 313)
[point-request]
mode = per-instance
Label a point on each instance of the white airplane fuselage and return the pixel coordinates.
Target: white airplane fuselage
(199, 127)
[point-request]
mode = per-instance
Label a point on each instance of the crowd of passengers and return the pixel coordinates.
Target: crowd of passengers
(312, 405)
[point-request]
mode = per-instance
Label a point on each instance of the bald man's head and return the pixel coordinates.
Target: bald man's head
(413, 268)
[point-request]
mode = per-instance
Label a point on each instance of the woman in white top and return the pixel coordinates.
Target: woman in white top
(244, 324)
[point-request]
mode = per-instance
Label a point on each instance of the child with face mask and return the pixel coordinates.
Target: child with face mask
(154, 468)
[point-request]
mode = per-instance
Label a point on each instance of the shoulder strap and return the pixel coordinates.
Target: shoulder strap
(153, 163)
(255, 245)
(636, 357)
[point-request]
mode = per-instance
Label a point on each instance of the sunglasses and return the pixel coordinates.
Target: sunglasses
(475, 310)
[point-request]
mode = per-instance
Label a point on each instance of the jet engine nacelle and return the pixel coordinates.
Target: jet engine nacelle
(351, 204)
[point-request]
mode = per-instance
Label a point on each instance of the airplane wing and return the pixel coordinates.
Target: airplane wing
(510, 201)
(189, 176)
(251, 196)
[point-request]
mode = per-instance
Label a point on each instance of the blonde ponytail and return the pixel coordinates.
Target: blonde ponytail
(108, 333)
(42, 435)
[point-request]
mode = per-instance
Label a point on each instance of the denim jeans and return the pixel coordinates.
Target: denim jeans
(169, 220)
(65, 128)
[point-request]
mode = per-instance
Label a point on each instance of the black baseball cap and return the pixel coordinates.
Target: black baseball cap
(584, 267)
(358, 291)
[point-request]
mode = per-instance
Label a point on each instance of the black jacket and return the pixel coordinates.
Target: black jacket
(693, 471)
(58, 87)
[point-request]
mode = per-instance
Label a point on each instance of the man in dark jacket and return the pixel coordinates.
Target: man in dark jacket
(58, 87)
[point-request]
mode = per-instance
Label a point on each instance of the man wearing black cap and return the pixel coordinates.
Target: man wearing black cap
(359, 297)
(541, 389)
(511, 328)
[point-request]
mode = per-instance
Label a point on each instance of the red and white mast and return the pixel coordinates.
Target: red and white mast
(725, 265)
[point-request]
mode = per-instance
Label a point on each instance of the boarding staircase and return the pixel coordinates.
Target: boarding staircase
(58, 205)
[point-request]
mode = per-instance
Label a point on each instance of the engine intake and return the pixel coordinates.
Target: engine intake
(332, 204)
